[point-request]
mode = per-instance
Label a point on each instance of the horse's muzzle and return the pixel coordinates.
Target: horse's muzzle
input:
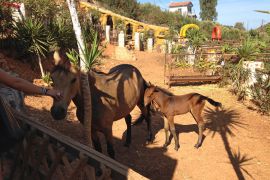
(58, 113)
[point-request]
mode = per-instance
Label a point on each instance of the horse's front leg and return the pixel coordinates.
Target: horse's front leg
(147, 116)
(149, 127)
(172, 129)
(128, 136)
(109, 140)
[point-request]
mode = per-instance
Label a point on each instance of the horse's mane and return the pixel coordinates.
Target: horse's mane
(60, 68)
(164, 91)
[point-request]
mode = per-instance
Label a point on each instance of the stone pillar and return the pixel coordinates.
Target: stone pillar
(137, 42)
(169, 46)
(150, 44)
(22, 11)
(121, 39)
(108, 33)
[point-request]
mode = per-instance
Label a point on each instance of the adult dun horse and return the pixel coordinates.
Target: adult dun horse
(114, 96)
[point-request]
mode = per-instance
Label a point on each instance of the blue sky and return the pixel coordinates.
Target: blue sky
(231, 11)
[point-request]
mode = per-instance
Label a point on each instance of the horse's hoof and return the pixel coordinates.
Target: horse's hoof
(176, 148)
(165, 145)
(197, 146)
(98, 172)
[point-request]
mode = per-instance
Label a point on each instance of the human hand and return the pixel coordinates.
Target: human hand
(55, 94)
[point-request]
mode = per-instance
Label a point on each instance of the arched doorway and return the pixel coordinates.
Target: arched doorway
(109, 21)
(129, 31)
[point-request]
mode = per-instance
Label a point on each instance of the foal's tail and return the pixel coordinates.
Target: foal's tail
(211, 101)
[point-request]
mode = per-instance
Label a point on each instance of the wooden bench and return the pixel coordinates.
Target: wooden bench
(178, 80)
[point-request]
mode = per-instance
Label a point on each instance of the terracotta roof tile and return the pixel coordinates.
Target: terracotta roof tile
(178, 4)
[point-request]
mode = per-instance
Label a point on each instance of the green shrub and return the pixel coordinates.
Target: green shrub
(91, 53)
(247, 50)
(237, 76)
(63, 34)
(203, 65)
(195, 38)
(226, 48)
(32, 37)
(47, 78)
(261, 92)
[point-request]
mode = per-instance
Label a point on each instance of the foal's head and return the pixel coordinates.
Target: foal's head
(149, 94)
(153, 92)
(66, 78)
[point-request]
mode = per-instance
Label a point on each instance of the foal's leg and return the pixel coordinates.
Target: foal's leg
(109, 139)
(172, 129)
(147, 116)
(128, 136)
(196, 112)
(166, 130)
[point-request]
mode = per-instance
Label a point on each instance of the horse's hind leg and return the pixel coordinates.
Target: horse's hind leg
(128, 136)
(196, 113)
(172, 129)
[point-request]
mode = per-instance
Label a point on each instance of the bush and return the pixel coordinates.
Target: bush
(63, 34)
(32, 37)
(247, 50)
(261, 92)
(6, 27)
(237, 76)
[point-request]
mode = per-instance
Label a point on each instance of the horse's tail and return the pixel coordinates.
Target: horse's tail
(140, 119)
(211, 101)
(146, 84)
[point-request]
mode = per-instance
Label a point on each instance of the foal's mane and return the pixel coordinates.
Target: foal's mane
(165, 91)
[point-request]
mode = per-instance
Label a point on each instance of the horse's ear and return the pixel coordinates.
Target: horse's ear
(56, 57)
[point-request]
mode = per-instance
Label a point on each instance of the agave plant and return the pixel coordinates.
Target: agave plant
(63, 34)
(90, 54)
(32, 37)
(195, 39)
(247, 51)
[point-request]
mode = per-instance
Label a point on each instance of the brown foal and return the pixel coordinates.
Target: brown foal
(171, 105)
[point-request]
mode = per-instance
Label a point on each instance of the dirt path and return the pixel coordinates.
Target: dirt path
(236, 146)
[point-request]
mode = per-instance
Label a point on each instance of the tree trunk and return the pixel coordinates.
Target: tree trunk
(87, 102)
(40, 66)
(85, 83)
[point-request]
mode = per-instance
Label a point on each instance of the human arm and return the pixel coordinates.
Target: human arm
(25, 86)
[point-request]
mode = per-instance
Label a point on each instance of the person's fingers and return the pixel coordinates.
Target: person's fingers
(55, 94)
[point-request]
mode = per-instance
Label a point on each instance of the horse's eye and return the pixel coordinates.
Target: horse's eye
(73, 80)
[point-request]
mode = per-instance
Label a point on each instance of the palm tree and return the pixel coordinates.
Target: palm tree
(85, 83)
(84, 78)
(261, 11)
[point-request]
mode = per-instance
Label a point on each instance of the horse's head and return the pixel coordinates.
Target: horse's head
(149, 94)
(66, 78)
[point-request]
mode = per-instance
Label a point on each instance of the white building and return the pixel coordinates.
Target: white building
(184, 8)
